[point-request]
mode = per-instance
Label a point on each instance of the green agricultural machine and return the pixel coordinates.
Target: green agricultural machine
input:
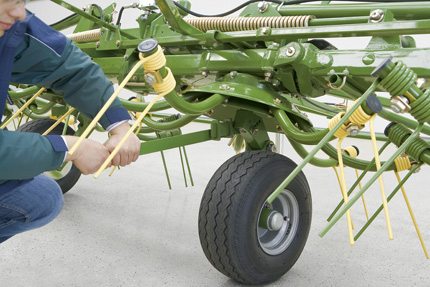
(250, 75)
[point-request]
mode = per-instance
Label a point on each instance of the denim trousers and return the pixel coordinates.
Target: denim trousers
(28, 204)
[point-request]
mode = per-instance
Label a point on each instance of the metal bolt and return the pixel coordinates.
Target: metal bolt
(275, 44)
(233, 74)
(276, 83)
(277, 101)
(216, 44)
(377, 15)
(210, 112)
(262, 6)
(264, 30)
(290, 51)
(126, 57)
(417, 170)
(353, 130)
(205, 73)
(279, 128)
(268, 75)
(150, 78)
(97, 44)
(400, 104)
(135, 78)
(254, 131)
(271, 147)
(421, 82)
(224, 87)
(118, 42)
(242, 131)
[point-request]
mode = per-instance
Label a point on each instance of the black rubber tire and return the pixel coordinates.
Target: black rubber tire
(39, 126)
(230, 210)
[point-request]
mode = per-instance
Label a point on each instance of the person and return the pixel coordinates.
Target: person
(33, 53)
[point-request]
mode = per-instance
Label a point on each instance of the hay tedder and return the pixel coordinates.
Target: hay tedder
(249, 76)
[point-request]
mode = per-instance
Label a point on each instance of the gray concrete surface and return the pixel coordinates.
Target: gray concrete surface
(131, 230)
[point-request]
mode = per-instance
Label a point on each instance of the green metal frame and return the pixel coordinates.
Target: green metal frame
(253, 82)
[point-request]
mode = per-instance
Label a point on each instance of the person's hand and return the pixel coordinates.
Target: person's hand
(89, 156)
(129, 152)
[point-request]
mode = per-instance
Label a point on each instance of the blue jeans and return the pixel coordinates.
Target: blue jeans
(28, 204)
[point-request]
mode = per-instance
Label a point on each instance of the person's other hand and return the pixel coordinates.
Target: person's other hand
(129, 152)
(89, 156)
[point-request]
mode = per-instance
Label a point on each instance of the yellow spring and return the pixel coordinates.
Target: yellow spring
(402, 163)
(228, 24)
(359, 117)
(341, 132)
(352, 151)
(154, 62)
(87, 36)
(167, 85)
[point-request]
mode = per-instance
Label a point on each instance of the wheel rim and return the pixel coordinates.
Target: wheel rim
(61, 172)
(277, 241)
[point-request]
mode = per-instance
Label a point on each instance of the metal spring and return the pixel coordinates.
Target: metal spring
(229, 24)
(420, 109)
(399, 80)
(359, 117)
(402, 163)
(341, 132)
(398, 134)
(87, 36)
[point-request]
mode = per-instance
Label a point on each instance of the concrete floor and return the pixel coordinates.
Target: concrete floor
(131, 230)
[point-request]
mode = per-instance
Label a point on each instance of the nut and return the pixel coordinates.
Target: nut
(290, 51)
(205, 73)
(353, 130)
(264, 30)
(377, 15)
(233, 74)
(224, 87)
(262, 6)
(150, 78)
(400, 104)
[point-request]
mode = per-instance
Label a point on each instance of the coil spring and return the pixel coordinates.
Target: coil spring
(87, 36)
(399, 80)
(341, 132)
(359, 117)
(229, 24)
(352, 151)
(420, 109)
(398, 134)
(155, 61)
(402, 163)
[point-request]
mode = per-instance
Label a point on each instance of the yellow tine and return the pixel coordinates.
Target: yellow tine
(362, 197)
(381, 181)
(106, 106)
(129, 132)
(23, 107)
(343, 189)
(58, 121)
(413, 217)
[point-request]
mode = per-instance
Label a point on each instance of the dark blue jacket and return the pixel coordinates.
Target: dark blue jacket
(33, 53)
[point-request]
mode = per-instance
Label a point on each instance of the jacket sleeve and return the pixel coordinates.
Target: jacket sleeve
(47, 58)
(25, 155)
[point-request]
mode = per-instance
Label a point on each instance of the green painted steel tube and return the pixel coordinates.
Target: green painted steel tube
(353, 199)
(365, 171)
(140, 107)
(402, 182)
(165, 126)
(392, 117)
(323, 142)
(15, 95)
(294, 133)
(301, 151)
(411, 10)
(339, 21)
(199, 108)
